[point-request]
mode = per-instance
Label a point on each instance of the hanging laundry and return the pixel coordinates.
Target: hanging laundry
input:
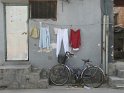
(34, 32)
(75, 39)
(44, 41)
(62, 35)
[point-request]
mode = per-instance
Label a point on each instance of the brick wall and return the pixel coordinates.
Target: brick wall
(120, 17)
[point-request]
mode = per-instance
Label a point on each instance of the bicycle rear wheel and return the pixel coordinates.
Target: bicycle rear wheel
(93, 77)
(59, 74)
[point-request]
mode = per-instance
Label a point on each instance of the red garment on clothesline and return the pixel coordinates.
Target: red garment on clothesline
(75, 38)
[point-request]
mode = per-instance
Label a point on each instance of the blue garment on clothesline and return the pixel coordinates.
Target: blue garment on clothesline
(44, 41)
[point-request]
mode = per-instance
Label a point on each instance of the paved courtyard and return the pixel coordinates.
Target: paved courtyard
(61, 89)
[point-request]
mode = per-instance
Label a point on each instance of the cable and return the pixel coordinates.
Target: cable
(70, 25)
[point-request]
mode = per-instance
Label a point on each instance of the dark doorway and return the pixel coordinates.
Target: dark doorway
(118, 29)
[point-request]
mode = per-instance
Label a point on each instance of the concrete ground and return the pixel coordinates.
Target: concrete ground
(65, 89)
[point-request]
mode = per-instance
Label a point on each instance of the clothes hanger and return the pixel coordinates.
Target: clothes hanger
(75, 29)
(41, 24)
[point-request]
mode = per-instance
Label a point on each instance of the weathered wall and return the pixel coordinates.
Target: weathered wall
(83, 14)
(2, 52)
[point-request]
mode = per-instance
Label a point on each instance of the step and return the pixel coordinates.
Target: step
(5, 67)
(21, 76)
(119, 86)
(119, 65)
(12, 73)
(113, 80)
(17, 63)
(40, 84)
(120, 73)
(12, 69)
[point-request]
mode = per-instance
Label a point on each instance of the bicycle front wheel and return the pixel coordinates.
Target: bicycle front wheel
(92, 77)
(59, 74)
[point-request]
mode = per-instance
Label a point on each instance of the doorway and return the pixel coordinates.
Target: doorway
(16, 32)
(119, 30)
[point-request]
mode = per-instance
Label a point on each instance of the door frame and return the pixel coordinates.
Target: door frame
(5, 36)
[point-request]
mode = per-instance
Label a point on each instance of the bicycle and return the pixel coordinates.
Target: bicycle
(90, 76)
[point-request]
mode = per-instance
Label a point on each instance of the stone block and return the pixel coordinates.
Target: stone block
(112, 69)
(35, 75)
(115, 80)
(13, 85)
(45, 73)
(43, 83)
(21, 77)
(121, 73)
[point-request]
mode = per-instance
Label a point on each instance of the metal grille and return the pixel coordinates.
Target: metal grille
(43, 9)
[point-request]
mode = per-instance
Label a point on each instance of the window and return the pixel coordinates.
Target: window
(118, 3)
(43, 9)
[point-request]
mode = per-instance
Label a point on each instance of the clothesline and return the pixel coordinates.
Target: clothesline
(70, 25)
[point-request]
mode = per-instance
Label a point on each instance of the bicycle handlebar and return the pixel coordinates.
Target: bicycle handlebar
(69, 54)
(86, 60)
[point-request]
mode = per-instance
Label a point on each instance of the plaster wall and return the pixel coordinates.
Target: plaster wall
(82, 14)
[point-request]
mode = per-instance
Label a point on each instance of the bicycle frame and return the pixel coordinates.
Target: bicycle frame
(71, 70)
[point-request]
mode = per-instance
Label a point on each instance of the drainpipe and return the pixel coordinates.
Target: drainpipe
(105, 52)
(105, 43)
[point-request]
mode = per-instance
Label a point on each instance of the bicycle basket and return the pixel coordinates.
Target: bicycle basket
(61, 59)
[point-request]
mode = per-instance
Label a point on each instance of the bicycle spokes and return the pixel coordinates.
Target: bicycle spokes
(59, 74)
(92, 77)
